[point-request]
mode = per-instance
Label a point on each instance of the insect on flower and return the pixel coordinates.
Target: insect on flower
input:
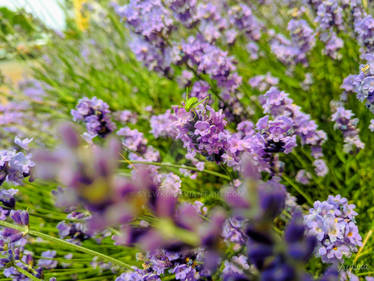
(190, 103)
(365, 69)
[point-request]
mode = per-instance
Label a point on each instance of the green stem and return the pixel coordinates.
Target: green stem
(307, 198)
(28, 274)
(179, 167)
(64, 243)
(366, 239)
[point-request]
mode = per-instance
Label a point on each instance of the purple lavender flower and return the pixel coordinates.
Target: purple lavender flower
(96, 114)
(284, 49)
(196, 52)
(149, 18)
(20, 217)
(48, 262)
(213, 23)
(364, 29)
(33, 89)
(371, 126)
(363, 83)
(253, 50)
(332, 44)
(24, 144)
(74, 232)
(133, 139)
(332, 222)
(242, 17)
(329, 15)
(200, 90)
(185, 10)
(14, 166)
(278, 103)
(170, 184)
(303, 177)
(302, 37)
(126, 116)
(7, 197)
(320, 167)
(153, 58)
(344, 122)
(263, 82)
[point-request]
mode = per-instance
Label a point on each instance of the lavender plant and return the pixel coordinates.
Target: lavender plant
(193, 140)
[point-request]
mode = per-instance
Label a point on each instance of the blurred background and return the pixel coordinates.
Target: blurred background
(27, 25)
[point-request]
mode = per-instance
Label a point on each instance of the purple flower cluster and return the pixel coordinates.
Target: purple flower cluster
(12, 113)
(333, 223)
(198, 54)
(293, 51)
(74, 232)
(154, 58)
(242, 18)
(200, 89)
(283, 48)
(274, 136)
(254, 231)
(126, 116)
(13, 242)
(184, 10)
(136, 144)
(278, 104)
(303, 37)
(330, 19)
(263, 82)
(33, 89)
(330, 15)
(96, 115)
(186, 265)
(152, 22)
(89, 174)
(204, 131)
(332, 44)
(214, 23)
(364, 29)
(362, 84)
(344, 122)
(14, 164)
(150, 19)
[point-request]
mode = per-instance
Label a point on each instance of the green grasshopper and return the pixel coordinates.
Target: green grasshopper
(191, 103)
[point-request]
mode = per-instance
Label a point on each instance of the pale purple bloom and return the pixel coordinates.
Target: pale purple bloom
(371, 126)
(95, 114)
(332, 44)
(149, 18)
(333, 223)
(364, 29)
(184, 10)
(133, 139)
(263, 82)
(14, 166)
(303, 177)
(329, 15)
(320, 167)
(170, 184)
(242, 17)
(253, 50)
(344, 122)
(48, 262)
(24, 144)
